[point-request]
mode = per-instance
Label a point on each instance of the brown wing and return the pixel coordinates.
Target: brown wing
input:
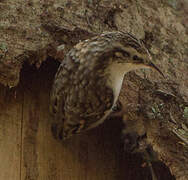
(79, 96)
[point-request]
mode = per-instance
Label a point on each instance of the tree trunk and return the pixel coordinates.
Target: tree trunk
(33, 31)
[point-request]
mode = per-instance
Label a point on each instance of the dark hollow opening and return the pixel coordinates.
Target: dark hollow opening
(130, 166)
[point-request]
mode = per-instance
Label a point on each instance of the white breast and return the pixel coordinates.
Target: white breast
(116, 74)
(115, 81)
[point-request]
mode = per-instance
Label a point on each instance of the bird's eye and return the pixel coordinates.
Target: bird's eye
(137, 59)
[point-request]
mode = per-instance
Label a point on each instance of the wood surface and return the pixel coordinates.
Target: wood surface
(29, 152)
(27, 149)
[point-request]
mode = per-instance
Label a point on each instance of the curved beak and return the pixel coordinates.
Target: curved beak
(153, 66)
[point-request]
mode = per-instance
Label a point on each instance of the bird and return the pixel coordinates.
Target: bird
(88, 81)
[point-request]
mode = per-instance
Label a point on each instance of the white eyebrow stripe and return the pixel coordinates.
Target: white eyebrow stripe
(134, 52)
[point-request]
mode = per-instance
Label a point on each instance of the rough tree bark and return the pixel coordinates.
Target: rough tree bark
(31, 31)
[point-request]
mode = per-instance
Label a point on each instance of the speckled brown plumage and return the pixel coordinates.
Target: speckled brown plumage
(84, 90)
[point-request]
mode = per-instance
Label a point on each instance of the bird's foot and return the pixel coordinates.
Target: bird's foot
(117, 110)
(117, 107)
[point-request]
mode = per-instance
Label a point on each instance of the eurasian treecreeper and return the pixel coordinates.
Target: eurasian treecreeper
(89, 79)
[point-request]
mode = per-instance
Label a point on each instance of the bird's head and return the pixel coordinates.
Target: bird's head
(135, 60)
(131, 52)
